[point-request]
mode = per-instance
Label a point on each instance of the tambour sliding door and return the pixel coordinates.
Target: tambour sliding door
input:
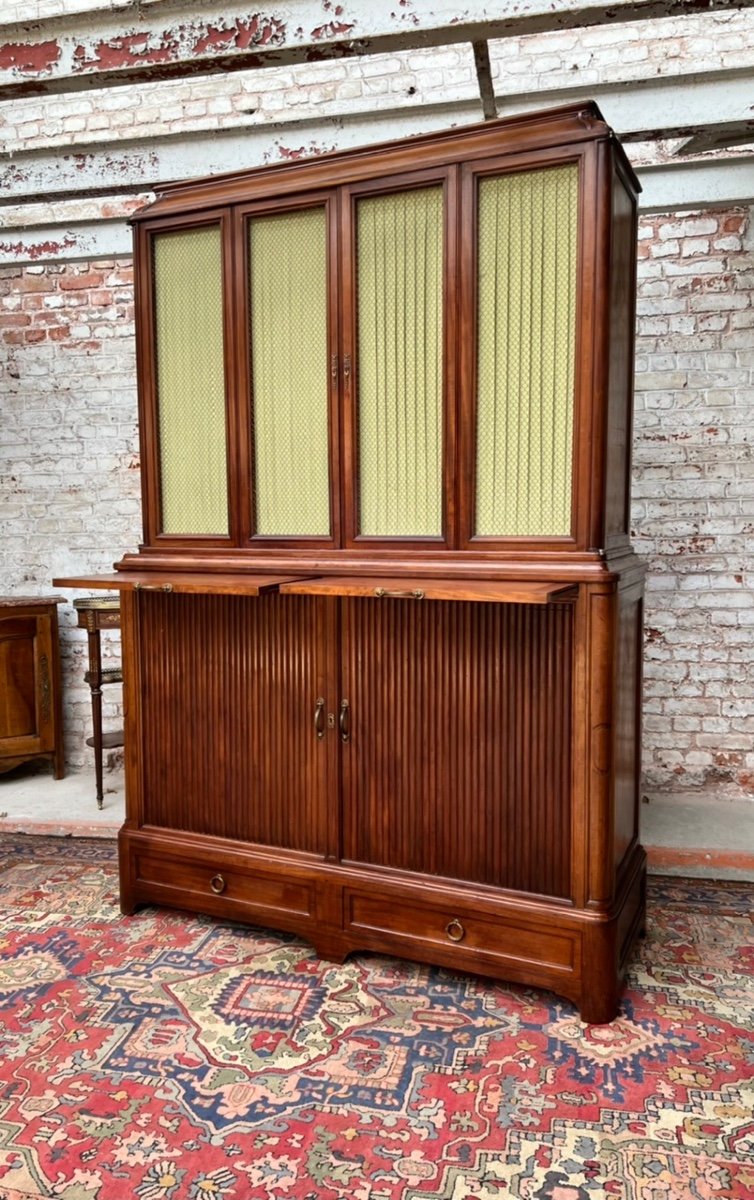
(521, 293)
(458, 762)
(397, 373)
(288, 365)
(186, 346)
(231, 690)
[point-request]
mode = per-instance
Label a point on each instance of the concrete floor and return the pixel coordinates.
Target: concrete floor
(698, 836)
(684, 835)
(31, 801)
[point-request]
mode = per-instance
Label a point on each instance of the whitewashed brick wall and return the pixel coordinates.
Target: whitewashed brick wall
(69, 477)
(693, 512)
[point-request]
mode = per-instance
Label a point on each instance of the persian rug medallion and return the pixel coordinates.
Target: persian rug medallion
(171, 1057)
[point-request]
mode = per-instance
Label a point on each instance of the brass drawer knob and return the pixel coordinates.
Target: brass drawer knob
(217, 883)
(455, 930)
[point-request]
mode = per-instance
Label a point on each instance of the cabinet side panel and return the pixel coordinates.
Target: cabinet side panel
(229, 686)
(627, 722)
(459, 760)
(620, 378)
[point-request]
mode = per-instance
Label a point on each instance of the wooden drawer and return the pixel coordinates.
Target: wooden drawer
(467, 935)
(224, 889)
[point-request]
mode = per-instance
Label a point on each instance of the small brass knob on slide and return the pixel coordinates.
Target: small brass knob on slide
(413, 594)
(455, 930)
(217, 883)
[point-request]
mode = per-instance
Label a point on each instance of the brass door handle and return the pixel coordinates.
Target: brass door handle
(414, 594)
(345, 732)
(217, 883)
(153, 587)
(319, 718)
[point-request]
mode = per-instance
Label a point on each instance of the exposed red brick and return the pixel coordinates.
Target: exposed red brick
(78, 282)
(35, 283)
(33, 301)
(48, 317)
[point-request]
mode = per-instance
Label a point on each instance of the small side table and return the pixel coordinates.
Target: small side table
(31, 723)
(96, 613)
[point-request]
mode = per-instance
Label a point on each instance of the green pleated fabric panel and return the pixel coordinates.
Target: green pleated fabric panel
(399, 301)
(527, 265)
(288, 282)
(191, 381)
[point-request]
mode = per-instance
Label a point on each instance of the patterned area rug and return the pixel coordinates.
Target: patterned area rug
(169, 1057)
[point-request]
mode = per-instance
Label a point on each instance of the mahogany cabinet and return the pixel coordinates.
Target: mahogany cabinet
(382, 640)
(31, 724)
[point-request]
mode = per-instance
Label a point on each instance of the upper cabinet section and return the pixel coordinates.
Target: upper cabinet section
(393, 352)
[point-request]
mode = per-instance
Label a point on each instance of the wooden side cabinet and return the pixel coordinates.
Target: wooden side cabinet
(31, 723)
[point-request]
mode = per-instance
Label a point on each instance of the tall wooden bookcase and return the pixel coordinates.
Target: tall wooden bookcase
(382, 639)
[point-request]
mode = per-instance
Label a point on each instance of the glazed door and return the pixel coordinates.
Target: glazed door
(290, 380)
(457, 762)
(521, 288)
(230, 719)
(186, 349)
(397, 301)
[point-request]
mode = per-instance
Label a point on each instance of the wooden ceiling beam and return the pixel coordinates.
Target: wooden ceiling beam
(146, 42)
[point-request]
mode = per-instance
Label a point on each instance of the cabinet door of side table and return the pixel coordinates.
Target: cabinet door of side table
(30, 715)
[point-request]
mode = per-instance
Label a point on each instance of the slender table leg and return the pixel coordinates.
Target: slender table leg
(94, 679)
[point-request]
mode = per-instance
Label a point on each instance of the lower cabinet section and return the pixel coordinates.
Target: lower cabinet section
(575, 953)
(438, 779)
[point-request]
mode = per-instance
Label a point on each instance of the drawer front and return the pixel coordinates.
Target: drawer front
(216, 887)
(508, 940)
